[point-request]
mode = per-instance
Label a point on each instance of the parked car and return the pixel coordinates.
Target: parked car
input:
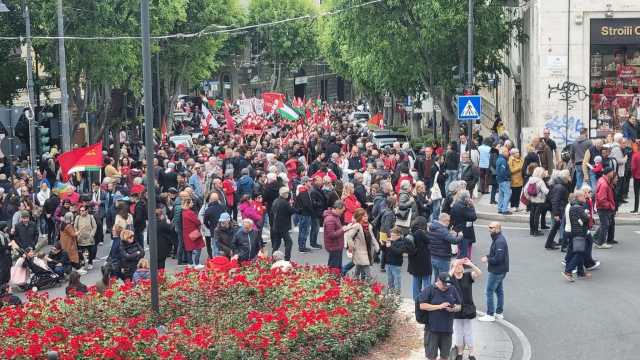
(187, 140)
(385, 138)
(360, 117)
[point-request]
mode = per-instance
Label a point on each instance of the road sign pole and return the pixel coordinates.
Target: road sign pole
(64, 95)
(32, 133)
(470, 59)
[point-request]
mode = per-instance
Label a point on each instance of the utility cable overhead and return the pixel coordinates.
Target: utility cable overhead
(204, 32)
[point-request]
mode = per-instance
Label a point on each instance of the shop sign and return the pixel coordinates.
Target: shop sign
(615, 31)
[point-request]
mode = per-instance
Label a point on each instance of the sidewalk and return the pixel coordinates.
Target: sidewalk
(487, 211)
(492, 342)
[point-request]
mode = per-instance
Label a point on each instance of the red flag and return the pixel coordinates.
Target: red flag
(231, 123)
(82, 159)
(376, 119)
(269, 99)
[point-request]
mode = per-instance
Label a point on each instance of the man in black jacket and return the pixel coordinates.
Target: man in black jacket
(165, 238)
(139, 217)
(579, 220)
(558, 195)
(498, 267)
(463, 214)
(210, 220)
(281, 211)
(319, 202)
(26, 232)
(304, 205)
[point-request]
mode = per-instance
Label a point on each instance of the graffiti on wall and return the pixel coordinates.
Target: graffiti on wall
(564, 132)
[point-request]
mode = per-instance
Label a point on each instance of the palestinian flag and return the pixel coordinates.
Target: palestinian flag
(318, 101)
(287, 113)
(82, 159)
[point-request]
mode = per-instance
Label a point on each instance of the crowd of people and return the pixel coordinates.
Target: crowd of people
(228, 192)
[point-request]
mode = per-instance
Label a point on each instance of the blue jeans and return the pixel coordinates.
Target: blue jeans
(347, 267)
(313, 233)
(194, 256)
(419, 284)
(439, 264)
(593, 181)
(304, 226)
(435, 210)
(451, 176)
(504, 196)
(579, 177)
(394, 277)
(494, 285)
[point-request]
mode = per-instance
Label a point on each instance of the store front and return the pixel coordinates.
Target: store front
(614, 74)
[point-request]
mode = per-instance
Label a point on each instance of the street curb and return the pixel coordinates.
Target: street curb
(620, 221)
(525, 345)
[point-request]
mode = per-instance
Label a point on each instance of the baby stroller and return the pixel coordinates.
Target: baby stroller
(42, 277)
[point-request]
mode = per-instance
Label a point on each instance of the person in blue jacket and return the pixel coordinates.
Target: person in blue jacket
(503, 178)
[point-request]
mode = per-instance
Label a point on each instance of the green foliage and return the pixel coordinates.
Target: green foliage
(406, 46)
(291, 43)
(13, 74)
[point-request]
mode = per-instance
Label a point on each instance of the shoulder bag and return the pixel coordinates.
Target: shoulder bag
(436, 194)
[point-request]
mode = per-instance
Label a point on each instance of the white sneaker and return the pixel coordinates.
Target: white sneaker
(199, 267)
(82, 271)
(595, 266)
(89, 267)
(487, 318)
(499, 316)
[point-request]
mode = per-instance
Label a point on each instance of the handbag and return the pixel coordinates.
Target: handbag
(579, 244)
(195, 235)
(404, 222)
(436, 194)
(523, 199)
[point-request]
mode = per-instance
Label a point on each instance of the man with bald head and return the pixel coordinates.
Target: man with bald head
(498, 266)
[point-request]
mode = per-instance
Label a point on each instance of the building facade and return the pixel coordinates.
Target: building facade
(580, 67)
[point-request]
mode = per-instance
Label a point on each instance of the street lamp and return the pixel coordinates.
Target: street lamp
(3, 7)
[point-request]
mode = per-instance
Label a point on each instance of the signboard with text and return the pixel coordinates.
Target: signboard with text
(615, 31)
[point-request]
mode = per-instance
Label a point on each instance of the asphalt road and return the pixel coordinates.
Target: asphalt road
(588, 319)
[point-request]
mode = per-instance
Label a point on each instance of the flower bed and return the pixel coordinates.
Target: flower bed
(221, 312)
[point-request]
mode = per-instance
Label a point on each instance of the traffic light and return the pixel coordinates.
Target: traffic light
(44, 139)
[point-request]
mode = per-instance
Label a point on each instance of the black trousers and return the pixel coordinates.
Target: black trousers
(91, 250)
(515, 196)
(552, 234)
(277, 239)
(534, 216)
(544, 209)
(207, 240)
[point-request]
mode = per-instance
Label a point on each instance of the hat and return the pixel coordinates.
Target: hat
(225, 217)
(173, 190)
(607, 170)
(445, 278)
(284, 190)
(24, 214)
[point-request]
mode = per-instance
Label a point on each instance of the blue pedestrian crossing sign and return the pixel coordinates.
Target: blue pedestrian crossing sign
(469, 107)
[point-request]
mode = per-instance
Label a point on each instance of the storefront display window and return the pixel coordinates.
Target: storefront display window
(614, 74)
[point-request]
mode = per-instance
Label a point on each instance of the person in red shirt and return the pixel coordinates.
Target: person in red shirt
(351, 203)
(606, 207)
(229, 188)
(191, 235)
(292, 167)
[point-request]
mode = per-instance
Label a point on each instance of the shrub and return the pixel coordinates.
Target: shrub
(225, 311)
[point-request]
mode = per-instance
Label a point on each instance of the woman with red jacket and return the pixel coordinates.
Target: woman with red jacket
(191, 235)
(635, 173)
(351, 203)
(229, 188)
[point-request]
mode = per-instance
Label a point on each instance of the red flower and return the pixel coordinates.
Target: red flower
(377, 288)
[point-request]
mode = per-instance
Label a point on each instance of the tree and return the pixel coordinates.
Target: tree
(286, 45)
(407, 46)
(13, 74)
(191, 60)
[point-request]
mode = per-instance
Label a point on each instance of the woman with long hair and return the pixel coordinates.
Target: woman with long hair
(361, 244)
(462, 322)
(420, 258)
(191, 235)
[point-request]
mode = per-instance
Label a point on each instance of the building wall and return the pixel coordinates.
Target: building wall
(545, 64)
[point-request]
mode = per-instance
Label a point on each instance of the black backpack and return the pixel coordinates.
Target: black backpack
(422, 316)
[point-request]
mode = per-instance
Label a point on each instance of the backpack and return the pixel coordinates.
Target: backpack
(422, 316)
(532, 189)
